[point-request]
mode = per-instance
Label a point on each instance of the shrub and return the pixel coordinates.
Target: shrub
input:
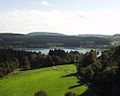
(70, 94)
(41, 93)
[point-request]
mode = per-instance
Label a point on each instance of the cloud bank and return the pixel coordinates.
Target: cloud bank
(45, 3)
(65, 21)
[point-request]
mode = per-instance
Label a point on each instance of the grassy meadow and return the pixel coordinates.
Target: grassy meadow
(51, 80)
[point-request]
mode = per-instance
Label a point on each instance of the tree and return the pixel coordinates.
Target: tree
(92, 57)
(16, 63)
(102, 74)
(1, 71)
(48, 61)
(57, 60)
(26, 64)
(70, 94)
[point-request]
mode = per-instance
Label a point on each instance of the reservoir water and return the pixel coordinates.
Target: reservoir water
(46, 50)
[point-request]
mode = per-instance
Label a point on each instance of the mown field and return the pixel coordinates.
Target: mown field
(52, 80)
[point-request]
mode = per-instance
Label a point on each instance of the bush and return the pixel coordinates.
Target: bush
(41, 93)
(70, 94)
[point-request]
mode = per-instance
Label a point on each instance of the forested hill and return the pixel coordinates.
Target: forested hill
(44, 33)
(38, 41)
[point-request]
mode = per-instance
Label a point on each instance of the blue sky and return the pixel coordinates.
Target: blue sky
(60, 4)
(64, 16)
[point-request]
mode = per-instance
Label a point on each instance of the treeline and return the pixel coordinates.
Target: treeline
(8, 62)
(11, 59)
(45, 41)
(101, 74)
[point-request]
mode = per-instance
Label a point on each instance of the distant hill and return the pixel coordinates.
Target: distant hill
(94, 35)
(111, 37)
(11, 34)
(46, 40)
(44, 33)
(116, 36)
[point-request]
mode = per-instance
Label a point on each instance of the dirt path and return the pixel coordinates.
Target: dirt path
(58, 69)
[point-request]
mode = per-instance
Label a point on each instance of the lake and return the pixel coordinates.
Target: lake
(46, 50)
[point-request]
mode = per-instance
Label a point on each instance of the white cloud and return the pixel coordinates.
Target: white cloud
(45, 3)
(67, 22)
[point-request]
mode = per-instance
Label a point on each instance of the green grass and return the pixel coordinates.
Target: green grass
(26, 83)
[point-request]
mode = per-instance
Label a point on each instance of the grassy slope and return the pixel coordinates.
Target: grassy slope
(28, 82)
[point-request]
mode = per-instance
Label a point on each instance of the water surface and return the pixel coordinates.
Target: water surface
(46, 50)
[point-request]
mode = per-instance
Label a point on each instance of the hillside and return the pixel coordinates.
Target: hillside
(45, 41)
(44, 33)
(94, 35)
(116, 36)
(26, 83)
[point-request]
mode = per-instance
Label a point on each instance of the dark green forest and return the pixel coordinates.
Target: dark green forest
(45, 41)
(101, 74)
(11, 59)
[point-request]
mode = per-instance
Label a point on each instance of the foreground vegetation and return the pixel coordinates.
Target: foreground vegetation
(11, 59)
(101, 74)
(53, 81)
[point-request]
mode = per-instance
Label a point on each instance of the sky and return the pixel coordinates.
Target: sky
(70, 17)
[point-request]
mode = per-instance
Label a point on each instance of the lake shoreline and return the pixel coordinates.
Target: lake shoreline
(46, 50)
